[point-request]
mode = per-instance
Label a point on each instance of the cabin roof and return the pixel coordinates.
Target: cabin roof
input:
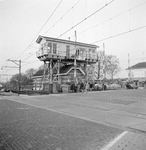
(39, 39)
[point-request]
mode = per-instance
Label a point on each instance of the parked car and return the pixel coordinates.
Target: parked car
(7, 90)
(98, 87)
(131, 86)
(114, 86)
(134, 86)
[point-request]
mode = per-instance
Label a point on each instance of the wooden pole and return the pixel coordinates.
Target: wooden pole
(19, 75)
(75, 61)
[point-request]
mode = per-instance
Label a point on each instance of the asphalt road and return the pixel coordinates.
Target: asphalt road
(75, 121)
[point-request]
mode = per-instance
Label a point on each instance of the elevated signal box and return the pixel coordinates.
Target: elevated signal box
(54, 49)
(56, 52)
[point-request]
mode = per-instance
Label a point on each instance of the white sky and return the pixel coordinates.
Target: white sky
(21, 20)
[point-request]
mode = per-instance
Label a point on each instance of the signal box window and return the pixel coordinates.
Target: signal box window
(77, 52)
(67, 51)
(90, 53)
(82, 51)
(54, 48)
(49, 47)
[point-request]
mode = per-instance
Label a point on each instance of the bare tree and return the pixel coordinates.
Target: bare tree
(99, 65)
(30, 72)
(24, 80)
(111, 66)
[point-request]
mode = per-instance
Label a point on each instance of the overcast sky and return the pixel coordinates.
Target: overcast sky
(21, 22)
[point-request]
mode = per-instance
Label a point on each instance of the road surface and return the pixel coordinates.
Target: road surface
(104, 120)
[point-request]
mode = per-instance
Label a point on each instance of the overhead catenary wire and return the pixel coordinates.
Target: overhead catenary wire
(31, 62)
(91, 27)
(109, 19)
(30, 45)
(41, 28)
(63, 16)
(72, 27)
(86, 18)
(77, 23)
(47, 20)
(29, 56)
(110, 37)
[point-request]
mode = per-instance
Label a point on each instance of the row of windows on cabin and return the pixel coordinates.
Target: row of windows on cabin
(52, 48)
(49, 47)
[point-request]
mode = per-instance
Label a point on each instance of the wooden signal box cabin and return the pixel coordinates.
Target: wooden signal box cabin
(58, 52)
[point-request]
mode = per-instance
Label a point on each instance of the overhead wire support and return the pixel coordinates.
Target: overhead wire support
(8, 67)
(86, 18)
(28, 63)
(75, 60)
(18, 62)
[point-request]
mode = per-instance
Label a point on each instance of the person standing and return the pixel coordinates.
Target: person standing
(82, 87)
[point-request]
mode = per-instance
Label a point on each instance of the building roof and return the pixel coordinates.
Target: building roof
(141, 65)
(39, 39)
(39, 73)
(63, 70)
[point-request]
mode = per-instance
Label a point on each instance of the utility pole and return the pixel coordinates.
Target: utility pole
(75, 61)
(87, 54)
(129, 67)
(104, 74)
(18, 63)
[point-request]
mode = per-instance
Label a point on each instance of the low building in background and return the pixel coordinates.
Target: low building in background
(137, 74)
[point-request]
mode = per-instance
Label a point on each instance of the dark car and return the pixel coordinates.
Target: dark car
(131, 86)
